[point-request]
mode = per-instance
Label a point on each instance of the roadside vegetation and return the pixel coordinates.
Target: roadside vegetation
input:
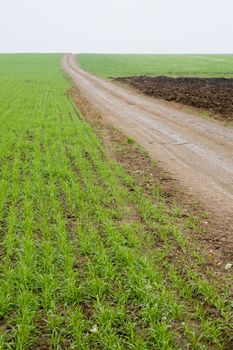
(89, 259)
(122, 65)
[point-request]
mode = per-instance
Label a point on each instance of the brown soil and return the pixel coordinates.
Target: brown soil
(214, 94)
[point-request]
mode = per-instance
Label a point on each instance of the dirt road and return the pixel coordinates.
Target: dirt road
(198, 152)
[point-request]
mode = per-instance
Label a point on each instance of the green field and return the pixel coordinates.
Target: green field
(108, 65)
(87, 256)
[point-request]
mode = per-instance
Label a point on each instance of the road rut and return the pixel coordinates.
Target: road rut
(196, 151)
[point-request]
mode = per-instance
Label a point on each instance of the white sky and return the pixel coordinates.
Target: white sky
(153, 26)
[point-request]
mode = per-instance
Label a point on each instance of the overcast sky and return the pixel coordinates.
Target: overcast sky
(153, 26)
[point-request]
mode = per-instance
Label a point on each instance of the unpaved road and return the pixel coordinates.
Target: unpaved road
(198, 152)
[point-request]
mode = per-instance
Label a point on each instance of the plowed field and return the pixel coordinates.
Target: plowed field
(212, 94)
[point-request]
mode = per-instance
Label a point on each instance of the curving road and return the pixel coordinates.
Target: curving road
(198, 152)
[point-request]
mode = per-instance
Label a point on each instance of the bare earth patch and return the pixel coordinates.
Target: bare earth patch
(214, 95)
